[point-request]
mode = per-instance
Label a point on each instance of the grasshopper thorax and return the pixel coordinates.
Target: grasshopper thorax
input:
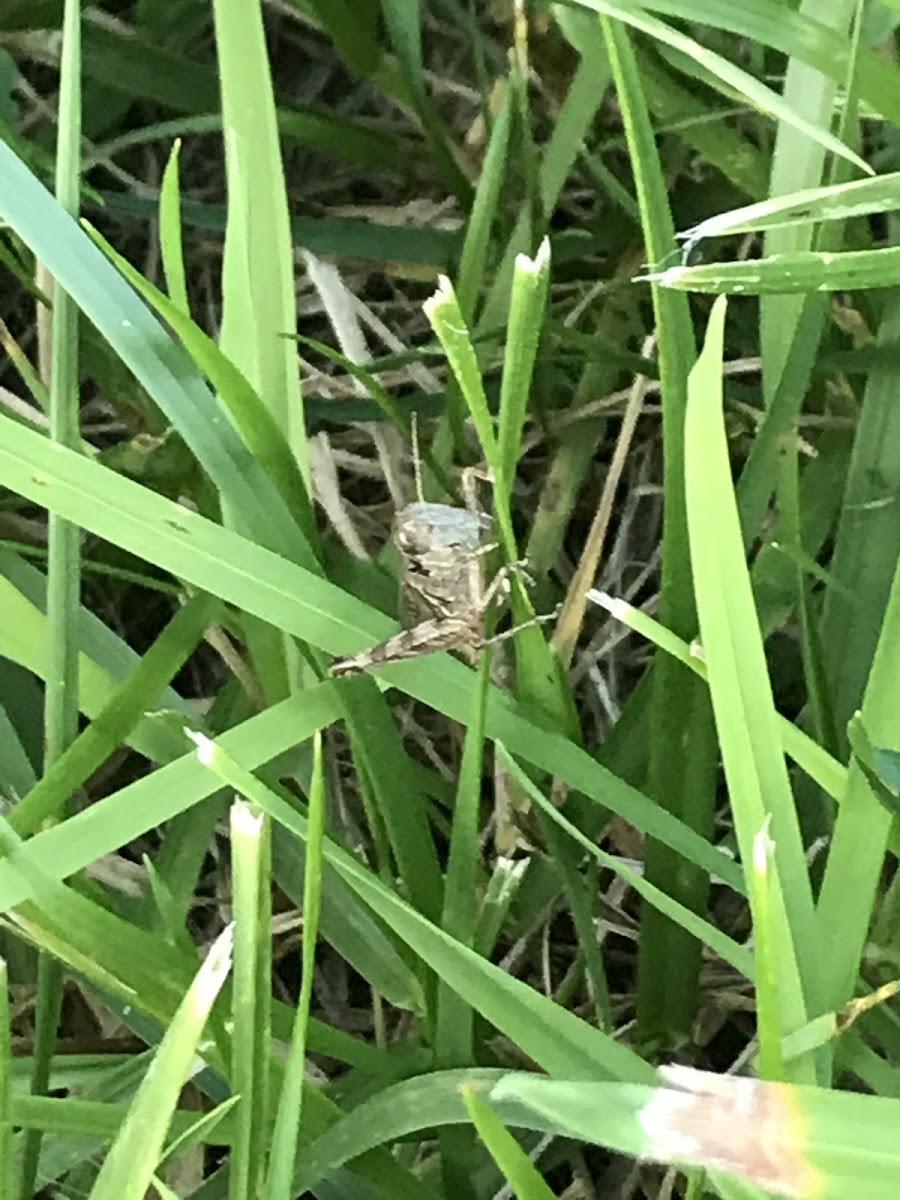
(422, 527)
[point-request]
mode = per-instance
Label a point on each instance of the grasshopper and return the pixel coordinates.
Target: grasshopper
(443, 598)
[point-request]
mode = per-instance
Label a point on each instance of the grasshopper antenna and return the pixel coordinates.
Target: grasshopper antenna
(417, 461)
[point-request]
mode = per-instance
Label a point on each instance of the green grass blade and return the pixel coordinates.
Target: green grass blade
(249, 835)
(526, 317)
(790, 273)
(170, 244)
(860, 834)
(446, 319)
(63, 546)
(669, 961)
(836, 202)
(765, 901)
(257, 271)
(473, 258)
(288, 1119)
(741, 692)
(120, 714)
(518, 1170)
(866, 541)
(129, 1167)
(63, 568)
(455, 1018)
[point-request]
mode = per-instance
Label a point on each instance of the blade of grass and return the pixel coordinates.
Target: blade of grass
(170, 244)
(120, 714)
(789, 273)
(854, 867)
(866, 543)
(836, 202)
(289, 1117)
(668, 960)
(250, 1000)
(64, 549)
(127, 1172)
(453, 1045)
(765, 902)
(518, 1170)
(526, 319)
(473, 257)
(797, 163)
(741, 694)
(257, 276)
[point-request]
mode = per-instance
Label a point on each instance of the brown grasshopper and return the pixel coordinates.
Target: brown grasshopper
(443, 597)
(442, 549)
